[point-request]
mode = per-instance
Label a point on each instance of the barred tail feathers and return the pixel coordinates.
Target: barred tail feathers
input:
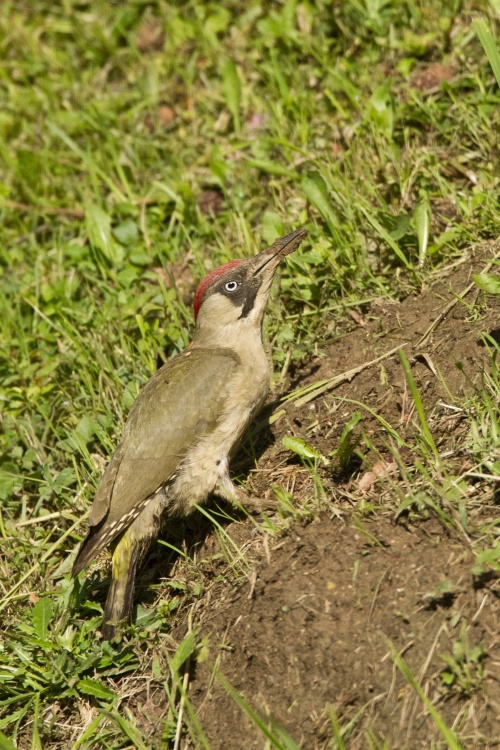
(101, 535)
(106, 531)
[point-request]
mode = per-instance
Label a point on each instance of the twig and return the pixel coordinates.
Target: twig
(377, 591)
(37, 231)
(478, 475)
(185, 682)
(310, 392)
(178, 729)
(408, 722)
(72, 213)
(40, 519)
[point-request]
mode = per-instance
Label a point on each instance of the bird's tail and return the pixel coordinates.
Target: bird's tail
(121, 592)
(94, 542)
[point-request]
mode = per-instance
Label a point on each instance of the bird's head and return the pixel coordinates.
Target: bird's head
(235, 295)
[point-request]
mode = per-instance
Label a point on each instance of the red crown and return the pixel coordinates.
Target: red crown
(210, 279)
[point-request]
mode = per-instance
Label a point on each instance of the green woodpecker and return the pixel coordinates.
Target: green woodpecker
(186, 423)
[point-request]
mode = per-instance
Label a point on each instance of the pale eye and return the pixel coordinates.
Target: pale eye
(231, 286)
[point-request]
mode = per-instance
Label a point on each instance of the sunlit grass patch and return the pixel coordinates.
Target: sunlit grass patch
(144, 144)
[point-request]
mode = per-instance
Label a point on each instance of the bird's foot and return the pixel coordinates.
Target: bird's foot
(241, 499)
(256, 505)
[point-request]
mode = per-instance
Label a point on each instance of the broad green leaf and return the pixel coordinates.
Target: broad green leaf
(41, 616)
(65, 478)
(95, 688)
(421, 217)
(271, 167)
(316, 193)
(85, 428)
(216, 23)
(347, 443)
(385, 236)
(401, 224)
(99, 233)
(488, 282)
(139, 257)
(301, 448)
(5, 743)
(485, 559)
(183, 652)
(232, 91)
(448, 678)
(127, 233)
(150, 619)
(380, 111)
(483, 30)
(10, 480)
(272, 227)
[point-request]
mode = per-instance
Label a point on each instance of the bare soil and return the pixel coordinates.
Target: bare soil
(313, 630)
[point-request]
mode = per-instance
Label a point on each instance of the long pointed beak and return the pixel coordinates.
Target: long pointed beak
(269, 259)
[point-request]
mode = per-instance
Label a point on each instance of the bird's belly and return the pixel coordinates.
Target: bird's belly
(206, 464)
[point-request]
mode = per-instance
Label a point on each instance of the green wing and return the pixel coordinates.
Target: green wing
(180, 403)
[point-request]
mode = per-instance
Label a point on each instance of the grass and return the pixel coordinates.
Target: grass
(142, 144)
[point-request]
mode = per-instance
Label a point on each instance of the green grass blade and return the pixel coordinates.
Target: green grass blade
(128, 730)
(279, 738)
(89, 732)
(240, 558)
(386, 237)
(232, 92)
(337, 730)
(56, 545)
(487, 39)
(5, 743)
(316, 192)
(36, 743)
(421, 217)
(447, 734)
(192, 722)
(418, 404)
(87, 160)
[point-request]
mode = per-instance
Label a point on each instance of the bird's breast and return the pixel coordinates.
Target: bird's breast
(207, 460)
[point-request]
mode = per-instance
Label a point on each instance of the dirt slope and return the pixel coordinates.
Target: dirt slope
(314, 631)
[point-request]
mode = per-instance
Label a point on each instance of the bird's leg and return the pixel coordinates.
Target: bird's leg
(236, 496)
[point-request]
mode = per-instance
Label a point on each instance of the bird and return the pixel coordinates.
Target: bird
(185, 425)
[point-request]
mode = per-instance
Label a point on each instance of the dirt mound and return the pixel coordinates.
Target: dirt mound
(446, 359)
(312, 631)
